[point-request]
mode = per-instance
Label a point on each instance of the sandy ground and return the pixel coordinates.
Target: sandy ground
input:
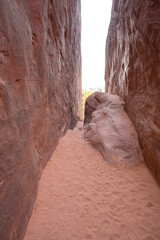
(81, 196)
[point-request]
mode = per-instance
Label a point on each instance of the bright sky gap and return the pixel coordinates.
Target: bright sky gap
(95, 22)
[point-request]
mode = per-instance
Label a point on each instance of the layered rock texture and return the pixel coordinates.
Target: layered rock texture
(40, 74)
(111, 131)
(133, 72)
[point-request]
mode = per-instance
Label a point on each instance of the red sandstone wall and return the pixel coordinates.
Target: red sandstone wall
(40, 79)
(133, 70)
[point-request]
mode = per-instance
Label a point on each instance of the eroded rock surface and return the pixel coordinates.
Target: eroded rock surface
(39, 97)
(110, 130)
(133, 72)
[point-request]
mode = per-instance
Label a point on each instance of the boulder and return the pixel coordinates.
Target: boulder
(110, 130)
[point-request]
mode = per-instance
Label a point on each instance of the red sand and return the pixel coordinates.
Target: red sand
(81, 196)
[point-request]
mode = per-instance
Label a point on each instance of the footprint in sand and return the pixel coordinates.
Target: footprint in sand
(149, 205)
(88, 236)
(150, 238)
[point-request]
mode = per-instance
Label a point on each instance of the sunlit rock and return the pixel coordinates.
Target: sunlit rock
(110, 130)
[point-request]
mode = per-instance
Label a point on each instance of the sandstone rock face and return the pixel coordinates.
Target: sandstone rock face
(40, 79)
(110, 130)
(133, 72)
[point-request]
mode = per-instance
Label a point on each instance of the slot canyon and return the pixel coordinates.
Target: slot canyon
(62, 178)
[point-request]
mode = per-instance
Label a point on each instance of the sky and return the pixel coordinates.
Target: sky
(95, 23)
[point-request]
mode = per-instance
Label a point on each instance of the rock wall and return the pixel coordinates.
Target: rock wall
(133, 72)
(40, 81)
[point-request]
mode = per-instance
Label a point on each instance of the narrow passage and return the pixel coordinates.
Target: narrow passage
(82, 197)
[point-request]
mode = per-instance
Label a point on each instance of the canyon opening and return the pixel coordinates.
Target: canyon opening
(95, 23)
(67, 178)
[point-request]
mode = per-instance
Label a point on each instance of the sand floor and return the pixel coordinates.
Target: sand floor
(82, 197)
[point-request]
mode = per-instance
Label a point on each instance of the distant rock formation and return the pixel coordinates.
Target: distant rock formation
(110, 130)
(133, 70)
(40, 81)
